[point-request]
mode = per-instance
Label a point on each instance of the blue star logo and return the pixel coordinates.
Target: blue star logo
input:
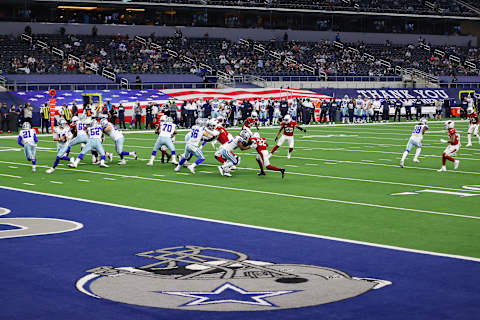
(228, 293)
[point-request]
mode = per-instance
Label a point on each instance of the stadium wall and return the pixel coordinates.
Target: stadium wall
(333, 84)
(16, 28)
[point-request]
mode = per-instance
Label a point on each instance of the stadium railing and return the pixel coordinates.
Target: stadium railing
(106, 86)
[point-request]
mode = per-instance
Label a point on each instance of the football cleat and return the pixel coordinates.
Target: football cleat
(456, 164)
(177, 168)
(122, 162)
(94, 159)
(283, 172)
(233, 168)
(103, 165)
(468, 145)
(401, 164)
(220, 169)
(110, 157)
(150, 163)
(191, 168)
(289, 155)
(416, 160)
(442, 169)
(50, 170)
(261, 173)
(34, 168)
(227, 174)
(134, 154)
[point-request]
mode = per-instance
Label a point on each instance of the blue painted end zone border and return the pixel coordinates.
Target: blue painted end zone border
(39, 273)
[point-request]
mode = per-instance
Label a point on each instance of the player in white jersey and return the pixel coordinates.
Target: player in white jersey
(359, 110)
(95, 133)
(226, 151)
(118, 138)
(262, 112)
(62, 135)
(215, 108)
(415, 141)
(276, 112)
(27, 138)
(166, 132)
(197, 134)
(79, 126)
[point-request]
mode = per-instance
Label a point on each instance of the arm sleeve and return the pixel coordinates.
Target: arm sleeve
(19, 141)
(35, 138)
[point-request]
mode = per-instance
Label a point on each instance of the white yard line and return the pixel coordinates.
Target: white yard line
(254, 227)
(56, 182)
(28, 184)
(158, 175)
(183, 173)
(13, 167)
(83, 180)
(10, 176)
(205, 171)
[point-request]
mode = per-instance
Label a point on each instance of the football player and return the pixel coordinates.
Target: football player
(118, 138)
(197, 133)
(288, 127)
(452, 148)
(263, 158)
(61, 134)
(473, 125)
(27, 138)
(166, 132)
(415, 141)
(241, 141)
(95, 134)
(252, 120)
(221, 135)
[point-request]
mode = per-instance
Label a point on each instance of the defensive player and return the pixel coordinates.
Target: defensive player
(95, 134)
(452, 148)
(241, 141)
(118, 138)
(61, 134)
(288, 127)
(221, 135)
(166, 131)
(473, 125)
(263, 158)
(415, 141)
(250, 121)
(27, 138)
(193, 138)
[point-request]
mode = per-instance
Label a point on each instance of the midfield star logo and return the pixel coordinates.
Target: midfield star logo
(213, 279)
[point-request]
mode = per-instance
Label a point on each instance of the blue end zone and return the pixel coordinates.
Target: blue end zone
(39, 273)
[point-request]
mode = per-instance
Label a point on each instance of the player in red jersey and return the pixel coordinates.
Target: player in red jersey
(288, 127)
(221, 134)
(252, 120)
(263, 158)
(452, 148)
(473, 125)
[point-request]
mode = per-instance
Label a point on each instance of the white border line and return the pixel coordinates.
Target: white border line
(252, 227)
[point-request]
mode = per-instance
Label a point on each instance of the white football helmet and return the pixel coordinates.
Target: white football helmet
(220, 120)
(424, 121)
(469, 110)
(62, 122)
(74, 119)
(254, 115)
(449, 124)
(88, 121)
(212, 124)
(163, 119)
(104, 122)
(26, 126)
(287, 118)
(245, 135)
(169, 120)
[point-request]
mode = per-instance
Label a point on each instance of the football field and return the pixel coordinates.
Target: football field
(342, 183)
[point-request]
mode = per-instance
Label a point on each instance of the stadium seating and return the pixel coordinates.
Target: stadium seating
(188, 56)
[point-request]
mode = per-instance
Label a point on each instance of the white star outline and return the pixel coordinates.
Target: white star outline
(201, 300)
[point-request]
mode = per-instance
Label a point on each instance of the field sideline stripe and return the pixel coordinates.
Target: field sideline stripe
(371, 244)
(278, 194)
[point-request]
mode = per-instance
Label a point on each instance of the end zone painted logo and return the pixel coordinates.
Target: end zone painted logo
(213, 279)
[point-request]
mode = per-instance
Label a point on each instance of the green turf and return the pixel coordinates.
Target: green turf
(337, 181)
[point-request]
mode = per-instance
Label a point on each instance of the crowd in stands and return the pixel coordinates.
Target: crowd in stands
(444, 7)
(120, 54)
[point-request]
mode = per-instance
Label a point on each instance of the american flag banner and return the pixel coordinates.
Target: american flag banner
(242, 94)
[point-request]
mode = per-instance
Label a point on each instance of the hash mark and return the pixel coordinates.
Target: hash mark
(28, 184)
(82, 180)
(57, 182)
(111, 179)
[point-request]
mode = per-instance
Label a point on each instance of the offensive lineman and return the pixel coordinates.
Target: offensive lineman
(61, 134)
(226, 150)
(117, 137)
(415, 141)
(288, 127)
(95, 134)
(452, 148)
(473, 125)
(263, 158)
(166, 132)
(27, 138)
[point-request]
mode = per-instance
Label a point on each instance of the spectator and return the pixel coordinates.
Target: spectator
(12, 119)
(28, 113)
(4, 118)
(149, 116)
(121, 116)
